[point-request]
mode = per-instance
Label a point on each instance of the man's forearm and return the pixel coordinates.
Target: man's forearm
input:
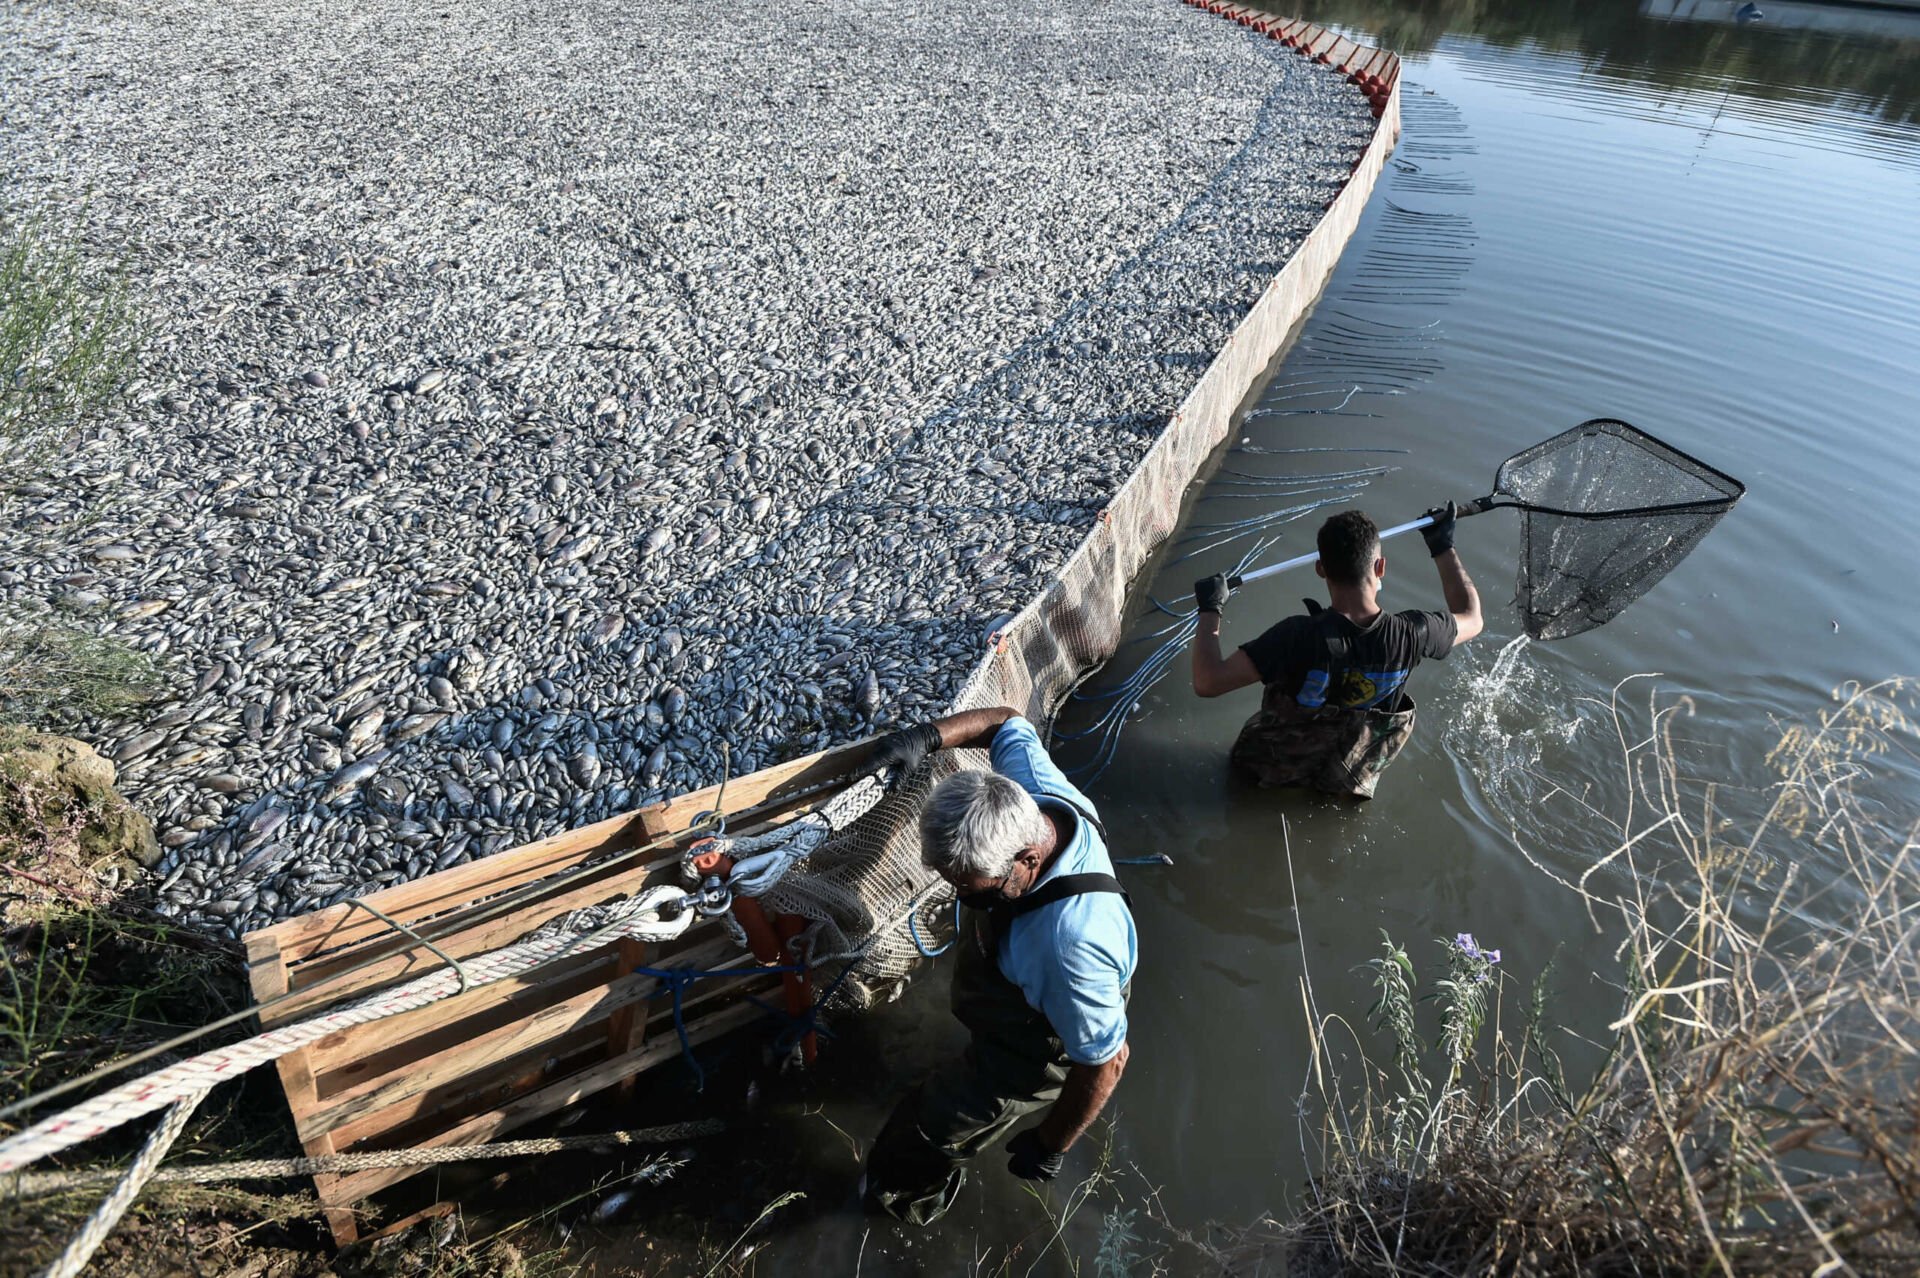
(1206, 650)
(973, 728)
(1455, 584)
(1081, 1100)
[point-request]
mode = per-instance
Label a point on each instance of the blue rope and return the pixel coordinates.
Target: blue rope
(676, 980)
(808, 1022)
(913, 930)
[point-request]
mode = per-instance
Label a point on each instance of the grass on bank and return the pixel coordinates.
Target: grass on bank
(68, 342)
(1756, 1111)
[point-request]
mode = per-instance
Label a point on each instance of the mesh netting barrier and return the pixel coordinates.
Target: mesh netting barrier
(1608, 511)
(861, 886)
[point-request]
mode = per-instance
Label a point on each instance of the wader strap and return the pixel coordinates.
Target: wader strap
(1057, 890)
(1085, 815)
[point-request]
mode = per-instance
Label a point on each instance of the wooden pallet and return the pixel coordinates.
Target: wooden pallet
(473, 1066)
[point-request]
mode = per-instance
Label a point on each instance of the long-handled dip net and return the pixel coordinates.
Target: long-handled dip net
(1607, 511)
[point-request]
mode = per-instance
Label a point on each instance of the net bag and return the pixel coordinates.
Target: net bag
(1609, 510)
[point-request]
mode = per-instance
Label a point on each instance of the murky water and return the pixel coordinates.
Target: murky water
(1649, 212)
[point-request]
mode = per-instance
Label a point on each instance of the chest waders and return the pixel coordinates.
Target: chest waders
(1335, 749)
(1012, 1039)
(1014, 1065)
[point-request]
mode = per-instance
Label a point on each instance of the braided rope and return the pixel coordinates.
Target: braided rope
(174, 1083)
(40, 1184)
(83, 1244)
(163, 1087)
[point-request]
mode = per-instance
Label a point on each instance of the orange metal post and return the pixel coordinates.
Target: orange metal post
(768, 941)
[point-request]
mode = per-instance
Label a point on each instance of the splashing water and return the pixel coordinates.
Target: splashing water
(1507, 718)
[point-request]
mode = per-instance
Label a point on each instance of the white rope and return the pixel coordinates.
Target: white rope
(163, 1087)
(80, 1250)
(760, 861)
(638, 917)
(40, 1184)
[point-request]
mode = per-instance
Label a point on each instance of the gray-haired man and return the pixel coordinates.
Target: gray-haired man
(1041, 976)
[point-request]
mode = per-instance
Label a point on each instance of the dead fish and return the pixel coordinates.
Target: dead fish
(362, 731)
(656, 541)
(345, 584)
(866, 698)
(351, 776)
(263, 858)
(610, 1205)
(606, 630)
(585, 766)
(135, 746)
(674, 703)
(144, 608)
(115, 554)
(657, 764)
(758, 510)
(429, 382)
(354, 688)
(415, 725)
(579, 548)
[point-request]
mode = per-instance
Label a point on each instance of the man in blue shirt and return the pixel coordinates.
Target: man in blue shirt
(1042, 974)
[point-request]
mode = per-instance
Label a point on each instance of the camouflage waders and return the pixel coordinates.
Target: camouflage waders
(1014, 1066)
(1328, 748)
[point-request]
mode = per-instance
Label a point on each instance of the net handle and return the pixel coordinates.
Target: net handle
(1477, 506)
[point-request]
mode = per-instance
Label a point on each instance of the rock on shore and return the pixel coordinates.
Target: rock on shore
(538, 396)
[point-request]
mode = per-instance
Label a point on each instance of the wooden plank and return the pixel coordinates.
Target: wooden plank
(461, 886)
(354, 1058)
(556, 1095)
(461, 1086)
(449, 1065)
(331, 983)
(353, 1055)
(625, 1029)
(267, 975)
(769, 785)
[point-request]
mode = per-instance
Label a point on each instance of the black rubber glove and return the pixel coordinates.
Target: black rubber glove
(904, 751)
(1439, 533)
(1031, 1160)
(1211, 592)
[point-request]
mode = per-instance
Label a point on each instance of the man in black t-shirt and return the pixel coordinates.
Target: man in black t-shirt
(1336, 709)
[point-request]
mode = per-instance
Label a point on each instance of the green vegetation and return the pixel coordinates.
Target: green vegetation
(66, 345)
(53, 671)
(1755, 1110)
(67, 342)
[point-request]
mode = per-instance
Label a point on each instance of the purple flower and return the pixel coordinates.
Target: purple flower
(1471, 948)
